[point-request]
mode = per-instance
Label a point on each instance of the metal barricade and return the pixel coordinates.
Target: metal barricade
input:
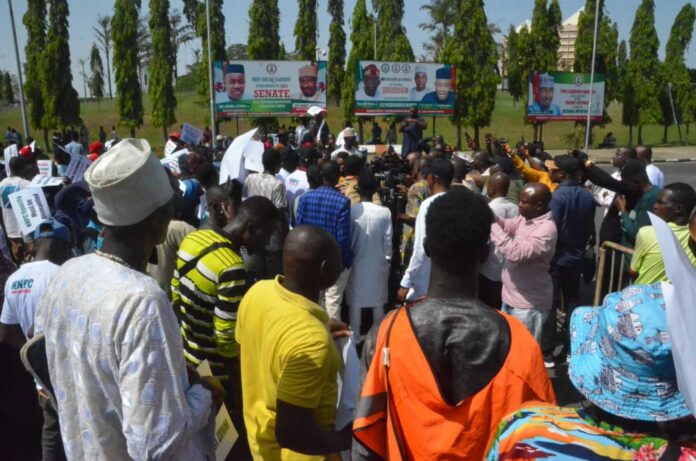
(617, 274)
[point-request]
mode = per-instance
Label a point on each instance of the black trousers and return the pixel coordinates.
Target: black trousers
(566, 291)
(490, 292)
(51, 442)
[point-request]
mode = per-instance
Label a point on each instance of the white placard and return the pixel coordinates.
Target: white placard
(314, 110)
(253, 155)
(77, 167)
(178, 153)
(225, 432)
(172, 164)
(30, 208)
(10, 152)
(169, 147)
(46, 181)
(45, 167)
(191, 135)
(232, 165)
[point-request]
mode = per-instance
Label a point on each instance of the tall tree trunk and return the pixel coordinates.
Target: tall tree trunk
(630, 135)
(476, 135)
(640, 134)
(664, 134)
(132, 132)
(164, 133)
(459, 136)
(108, 72)
(49, 148)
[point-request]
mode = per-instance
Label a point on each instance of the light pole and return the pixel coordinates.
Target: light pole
(588, 127)
(213, 128)
(25, 121)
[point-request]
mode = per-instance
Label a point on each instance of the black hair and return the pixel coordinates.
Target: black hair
(271, 159)
(260, 209)
(308, 156)
(442, 170)
(367, 183)
(342, 155)
(19, 165)
(290, 159)
(457, 229)
(207, 175)
(330, 172)
(684, 195)
(314, 176)
(353, 165)
(634, 171)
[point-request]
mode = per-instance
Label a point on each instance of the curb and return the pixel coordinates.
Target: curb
(669, 160)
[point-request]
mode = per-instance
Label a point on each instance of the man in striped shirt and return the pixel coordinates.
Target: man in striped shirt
(208, 285)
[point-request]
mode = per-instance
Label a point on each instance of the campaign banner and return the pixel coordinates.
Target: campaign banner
(392, 88)
(268, 88)
(564, 96)
(30, 208)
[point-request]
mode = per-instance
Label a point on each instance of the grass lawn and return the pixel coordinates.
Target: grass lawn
(508, 121)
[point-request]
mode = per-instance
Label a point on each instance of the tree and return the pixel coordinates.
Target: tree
(194, 10)
(129, 98)
(392, 42)
(555, 22)
(474, 53)
(361, 39)
(96, 67)
(160, 88)
(337, 50)
(103, 33)
(61, 104)
(237, 52)
(442, 14)
(675, 76)
(644, 66)
(306, 30)
(264, 23)
(144, 48)
(515, 72)
(180, 34)
(625, 92)
(539, 33)
(35, 23)
(7, 91)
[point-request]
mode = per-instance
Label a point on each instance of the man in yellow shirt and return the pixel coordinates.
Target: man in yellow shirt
(529, 173)
(674, 204)
(288, 358)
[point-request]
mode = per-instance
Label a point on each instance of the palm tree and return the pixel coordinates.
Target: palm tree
(442, 14)
(104, 37)
(181, 34)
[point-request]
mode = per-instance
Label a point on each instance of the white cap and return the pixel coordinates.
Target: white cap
(545, 81)
(219, 137)
(128, 183)
(421, 70)
(348, 133)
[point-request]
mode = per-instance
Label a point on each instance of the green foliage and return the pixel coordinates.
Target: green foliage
(160, 88)
(643, 65)
(264, 23)
(555, 21)
(103, 33)
(306, 30)
(237, 52)
(35, 23)
(124, 32)
(442, 14)
(361, 39)
(337, 50)
(61, 104)
(6, 92)
(515, 72)
(96, 82)
(674, 69)
(544, 38)
(474, 53)
(392, 42)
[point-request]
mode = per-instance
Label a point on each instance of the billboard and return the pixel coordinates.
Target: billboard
(564, 96)
(268, 88)
(391, 88)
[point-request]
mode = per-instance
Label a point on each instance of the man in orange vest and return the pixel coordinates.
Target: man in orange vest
(447, 368)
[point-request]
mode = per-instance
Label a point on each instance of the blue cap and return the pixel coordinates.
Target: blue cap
(443, 73)
(52, 229)
(234, 69)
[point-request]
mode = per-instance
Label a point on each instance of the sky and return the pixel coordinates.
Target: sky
(503, 13)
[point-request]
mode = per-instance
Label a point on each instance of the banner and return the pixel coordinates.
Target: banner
(268, 88)
(77, 167)
(30, 208)
(191, 135)
(10, 152)
(564, 96)
(392, 88)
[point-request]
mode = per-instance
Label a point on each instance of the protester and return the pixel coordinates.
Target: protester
(529, 173)
(74, 147)
(412, 128)
(23, 290)
(95, 150)
(490, 273)
(22, 169)
(113, 344)
(446, 368)
(371, 242)
(674, 204)
(657, 178)
(296, 182)
(328, 209)
(350, 144)
(621, 361)
(414, 283)
(605, 197)
(289, 163)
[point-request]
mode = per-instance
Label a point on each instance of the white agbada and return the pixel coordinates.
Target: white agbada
(116, 362)
(371, 242)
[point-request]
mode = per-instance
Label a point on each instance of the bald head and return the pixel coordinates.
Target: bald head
(644, 153)
(311, 258)
(498, 185)
(460, 168)
(534, 200)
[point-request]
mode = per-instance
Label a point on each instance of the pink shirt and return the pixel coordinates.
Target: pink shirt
(528, 247)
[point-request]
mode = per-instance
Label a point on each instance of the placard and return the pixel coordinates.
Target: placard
(169, 147)
(45, 167)
(77, 167)
(232, 164)
(10, 152)
(30, 208)
(225, 432)
(564, 96)
(172, 164)
(46, 181)
(191, 135)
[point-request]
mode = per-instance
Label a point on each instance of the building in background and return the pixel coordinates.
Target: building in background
(569, 34)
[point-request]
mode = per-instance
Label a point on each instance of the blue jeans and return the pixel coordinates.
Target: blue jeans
(531, 318)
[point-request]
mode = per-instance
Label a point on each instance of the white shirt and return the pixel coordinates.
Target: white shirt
(296, 184)
(492, 267)
(116, 362)
(9, 186)
(605, 197)
(655, 175)
(371, 242)
(352, 151)
(415, 95)
(282, 174)
(362, 96)
(417, 275)
(23, 290)
(299, 133)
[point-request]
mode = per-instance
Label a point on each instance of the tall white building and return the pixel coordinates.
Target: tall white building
(569, 34)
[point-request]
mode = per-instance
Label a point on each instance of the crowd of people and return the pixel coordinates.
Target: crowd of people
(455, 276)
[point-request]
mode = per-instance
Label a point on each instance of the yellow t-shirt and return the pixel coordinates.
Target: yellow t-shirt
(286, 353)
(647, 259)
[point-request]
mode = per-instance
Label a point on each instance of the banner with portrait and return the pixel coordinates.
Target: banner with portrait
(268, 88)
(564, 96)
(392, 88)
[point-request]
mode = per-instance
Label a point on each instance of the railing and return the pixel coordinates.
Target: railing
(617, 274)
